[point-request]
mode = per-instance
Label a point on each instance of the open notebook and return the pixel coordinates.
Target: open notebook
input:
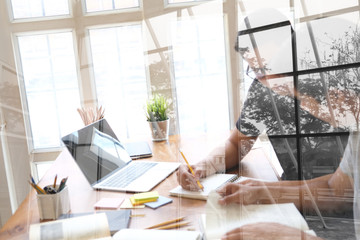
(220, 219)
(210, 183)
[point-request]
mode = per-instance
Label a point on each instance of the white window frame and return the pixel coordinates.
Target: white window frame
(80, 29)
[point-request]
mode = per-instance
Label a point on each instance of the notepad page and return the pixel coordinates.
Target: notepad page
(221, 219)
(210, 183)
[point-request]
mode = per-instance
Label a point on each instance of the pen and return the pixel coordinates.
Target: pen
(54, 186)
(32, 179)
(62, 184)
(192, 171)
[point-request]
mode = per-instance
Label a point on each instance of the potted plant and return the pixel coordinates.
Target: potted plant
(157, 108)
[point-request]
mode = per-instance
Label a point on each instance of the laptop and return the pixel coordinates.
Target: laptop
(107, 165)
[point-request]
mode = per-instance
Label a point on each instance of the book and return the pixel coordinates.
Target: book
(93, 226)
(141, 234)
(219, 219)
(117, 219)
(210, 183)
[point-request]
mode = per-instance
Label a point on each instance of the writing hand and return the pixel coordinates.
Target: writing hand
(240, 193)
(187, 180)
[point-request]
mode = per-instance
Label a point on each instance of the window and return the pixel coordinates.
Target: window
(117, 63)
(51, 85)
(319, 65)
(199, 61)
(39, 8)
(104, 5)
(120, 79)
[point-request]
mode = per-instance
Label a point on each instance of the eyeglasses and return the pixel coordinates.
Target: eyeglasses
(250, 72)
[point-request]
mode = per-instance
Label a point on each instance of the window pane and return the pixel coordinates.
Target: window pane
(104, 5)
(321, 155)
(321, 6)
(51, 86)
(264, 16)
(343, 95)
(335, 38)
(286, 153)
(269, 108)
(183, 1)
(200, 75)
(274, 49)
(39, 8)
(120, 78)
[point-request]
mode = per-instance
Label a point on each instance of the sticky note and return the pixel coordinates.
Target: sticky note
(108, 203)
(141, 197)
(161, 201)
(127, 205)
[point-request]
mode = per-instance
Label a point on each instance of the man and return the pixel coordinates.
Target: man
(249, 192)
(272, 108)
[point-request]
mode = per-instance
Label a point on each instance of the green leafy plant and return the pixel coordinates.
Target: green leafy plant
(157, 108)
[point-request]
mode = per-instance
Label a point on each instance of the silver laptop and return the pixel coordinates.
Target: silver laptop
(107, 165)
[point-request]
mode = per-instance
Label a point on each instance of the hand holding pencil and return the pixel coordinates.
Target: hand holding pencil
(192, 171)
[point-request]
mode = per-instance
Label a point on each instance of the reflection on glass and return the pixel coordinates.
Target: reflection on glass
(258, 112)
(321, 155)
(332, 96)
(332, 41)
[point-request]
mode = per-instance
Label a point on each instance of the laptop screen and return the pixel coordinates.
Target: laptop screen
(96, 150)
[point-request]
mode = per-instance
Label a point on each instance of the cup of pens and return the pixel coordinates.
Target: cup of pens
(53, 200)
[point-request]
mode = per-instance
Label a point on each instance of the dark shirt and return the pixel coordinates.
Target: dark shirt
(320, 155)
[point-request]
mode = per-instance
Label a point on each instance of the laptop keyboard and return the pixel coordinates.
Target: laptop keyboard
(124, 178)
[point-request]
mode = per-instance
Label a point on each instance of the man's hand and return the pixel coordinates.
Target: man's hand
(188, 181)
(241, 193)
(267, 231)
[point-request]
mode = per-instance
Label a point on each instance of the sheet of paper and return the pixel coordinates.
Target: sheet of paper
(221, 219)
(141, 234)
(108, 203)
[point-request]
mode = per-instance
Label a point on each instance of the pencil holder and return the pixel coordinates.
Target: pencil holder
(51, 206)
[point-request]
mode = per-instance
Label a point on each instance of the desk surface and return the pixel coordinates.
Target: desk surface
(83, 197)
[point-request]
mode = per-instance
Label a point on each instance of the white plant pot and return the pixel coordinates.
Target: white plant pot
(160, 130)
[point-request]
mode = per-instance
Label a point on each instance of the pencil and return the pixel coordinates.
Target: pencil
(54, 186)
(192, 171)
(176, 225)
(167, 222)
(38, 189)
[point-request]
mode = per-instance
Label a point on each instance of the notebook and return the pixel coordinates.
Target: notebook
(141, 234)
(117, 219)
(106, 164)
(220, 219)
(138, 150)
(210, 183)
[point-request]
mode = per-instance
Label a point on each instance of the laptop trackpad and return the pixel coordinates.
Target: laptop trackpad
(152, 177)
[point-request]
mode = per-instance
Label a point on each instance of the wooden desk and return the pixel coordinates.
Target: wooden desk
(83, 197)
